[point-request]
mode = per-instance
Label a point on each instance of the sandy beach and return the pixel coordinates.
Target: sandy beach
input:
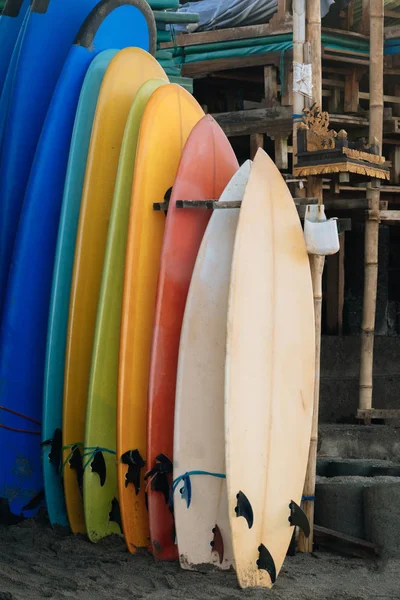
(37, 562)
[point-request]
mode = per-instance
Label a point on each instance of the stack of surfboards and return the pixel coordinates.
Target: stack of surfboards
(156, 366)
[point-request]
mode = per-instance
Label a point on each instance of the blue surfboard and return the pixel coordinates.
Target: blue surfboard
(49, 35)
(115, 23)
(61, 284)
(11, 20)
(9, 80)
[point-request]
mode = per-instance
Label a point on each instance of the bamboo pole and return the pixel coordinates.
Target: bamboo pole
(317, 267)
(373, 196)
(299, 38)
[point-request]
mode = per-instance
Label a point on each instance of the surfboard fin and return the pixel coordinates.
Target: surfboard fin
(135, 463)
(75, 462)
(35, 501)
(186, 490)
(244, 509)
(217, 543)
(159, 476)
(98, 466)
(298, 518)
(115, 513)
(55, 451)
(265, 561)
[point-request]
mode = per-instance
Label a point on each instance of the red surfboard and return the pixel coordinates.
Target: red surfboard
(207, 164)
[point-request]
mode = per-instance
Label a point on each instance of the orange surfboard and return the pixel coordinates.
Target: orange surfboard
(170, 115)
(207, 164)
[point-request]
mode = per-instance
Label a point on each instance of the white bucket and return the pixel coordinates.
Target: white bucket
(321, 234)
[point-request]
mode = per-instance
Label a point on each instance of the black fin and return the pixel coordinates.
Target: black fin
(75, 462)
(159, 476)
(265, 561)
(35, 501)
(115, 513)
(298, 518)
(135, 463)
(98, 466)
(244, 509)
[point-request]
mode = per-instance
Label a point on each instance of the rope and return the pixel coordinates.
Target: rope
(71, 448)
(91, 451)
(17, 414)
(187, 485)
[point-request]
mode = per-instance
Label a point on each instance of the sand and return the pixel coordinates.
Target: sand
(37, 562)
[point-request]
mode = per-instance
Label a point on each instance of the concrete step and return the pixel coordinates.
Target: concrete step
(363, 507)
(378, 442)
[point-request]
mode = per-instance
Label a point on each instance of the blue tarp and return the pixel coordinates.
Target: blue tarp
(220, 14)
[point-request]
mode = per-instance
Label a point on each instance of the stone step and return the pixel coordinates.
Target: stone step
(378, 442)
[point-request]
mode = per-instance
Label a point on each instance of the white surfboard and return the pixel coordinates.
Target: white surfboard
(269, 377)
(199, 444)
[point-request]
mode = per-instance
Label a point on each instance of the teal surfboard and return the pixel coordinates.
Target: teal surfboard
(63, 265)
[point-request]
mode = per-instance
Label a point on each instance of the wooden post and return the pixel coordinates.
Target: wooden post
(373, 195)
(281, 153)
(395, 171)
(351, 91)
(335, 290)
(256, 142)
(317, 267)
(270, 86)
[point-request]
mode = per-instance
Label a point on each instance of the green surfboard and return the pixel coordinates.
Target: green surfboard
(100, 490)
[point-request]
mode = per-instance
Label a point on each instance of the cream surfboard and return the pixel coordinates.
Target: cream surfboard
(200, 498)
(269, 375)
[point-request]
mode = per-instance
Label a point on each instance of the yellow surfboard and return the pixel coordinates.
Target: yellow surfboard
(100, 491)
(127, 71)
(169, 117)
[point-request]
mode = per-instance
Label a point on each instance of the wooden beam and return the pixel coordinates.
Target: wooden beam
(204, 67)
(378, 413)
(345, 59)
(225, 35)
(277, 120)
(388, 215)
(392, 32)
(392, 14)
(347, 544)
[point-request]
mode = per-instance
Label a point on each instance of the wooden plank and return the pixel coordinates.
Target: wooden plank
(378, 413)
(347, 52)
(257, 120)
(202, 68)
(335, 290)
(349, 34)
(256, 142)
(225, 35)
(342, 542)
(392, 14)
(389, 215)
(346, 120)
(355, 61)
(392, 32)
